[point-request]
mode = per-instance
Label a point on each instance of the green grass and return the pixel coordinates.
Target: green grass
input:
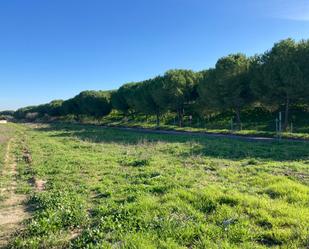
(118, 189)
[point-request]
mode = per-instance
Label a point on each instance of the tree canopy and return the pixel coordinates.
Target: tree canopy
(275, 79)
(282, 78)
(93, 103)
(227, 85)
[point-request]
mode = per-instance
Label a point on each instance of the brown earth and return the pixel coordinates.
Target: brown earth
(12, 208)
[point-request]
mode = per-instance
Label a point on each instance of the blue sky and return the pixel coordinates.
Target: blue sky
(53, 49)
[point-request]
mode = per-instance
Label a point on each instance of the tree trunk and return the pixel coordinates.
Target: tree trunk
(180, 117)
(238, 118)
(158, 119)
(286, 114)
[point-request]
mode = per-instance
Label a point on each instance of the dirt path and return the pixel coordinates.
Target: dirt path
(208, 134)
(249, 138)
(12, 209)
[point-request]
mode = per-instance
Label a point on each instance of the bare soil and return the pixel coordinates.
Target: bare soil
(12, 209)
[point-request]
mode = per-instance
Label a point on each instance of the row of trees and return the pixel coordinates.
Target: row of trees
(171, 92)
(279, 77)
(92, 103)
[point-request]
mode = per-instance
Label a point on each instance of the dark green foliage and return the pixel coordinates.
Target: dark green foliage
(92, 103)
(6, 115)
(281, 76)
(69, 106)
(179, 87)
(144, 97)
(7, 112)
(173, 91)
(303, 62)
(53, 108)
(146, 102)
(123, 99)
(22, 112)
(227, 86)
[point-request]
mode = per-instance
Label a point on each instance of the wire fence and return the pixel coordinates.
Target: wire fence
(272, 125)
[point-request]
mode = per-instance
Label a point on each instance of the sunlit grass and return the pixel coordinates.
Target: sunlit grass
(120, 189)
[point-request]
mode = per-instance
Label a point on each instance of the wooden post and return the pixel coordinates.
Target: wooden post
(280, 124)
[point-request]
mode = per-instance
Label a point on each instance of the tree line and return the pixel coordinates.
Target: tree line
(275, 79)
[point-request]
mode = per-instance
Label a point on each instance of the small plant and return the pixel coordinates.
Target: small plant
(134, 162)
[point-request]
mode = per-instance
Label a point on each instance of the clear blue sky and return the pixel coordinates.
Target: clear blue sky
(53, 49)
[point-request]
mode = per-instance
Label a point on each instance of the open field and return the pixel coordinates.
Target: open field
(154, 124)
(94, 187)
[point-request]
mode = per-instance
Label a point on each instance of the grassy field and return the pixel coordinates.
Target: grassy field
(105, 188)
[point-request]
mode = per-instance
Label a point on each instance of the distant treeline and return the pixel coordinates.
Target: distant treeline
(279, 77)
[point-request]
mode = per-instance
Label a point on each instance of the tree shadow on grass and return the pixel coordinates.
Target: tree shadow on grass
(219, 147)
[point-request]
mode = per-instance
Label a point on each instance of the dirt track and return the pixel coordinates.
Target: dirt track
(208, 134)
(12, 209)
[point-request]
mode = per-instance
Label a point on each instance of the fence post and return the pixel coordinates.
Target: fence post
(280, 125)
